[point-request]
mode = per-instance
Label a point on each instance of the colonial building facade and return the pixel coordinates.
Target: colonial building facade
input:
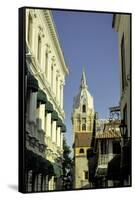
(122, 24)
(45, 79)
(109, 150)
(82, 121)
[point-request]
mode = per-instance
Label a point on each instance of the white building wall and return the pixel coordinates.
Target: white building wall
(43, 25)
(122, 26)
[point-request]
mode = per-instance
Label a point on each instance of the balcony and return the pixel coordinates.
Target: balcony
(105, 158)
(35, 136)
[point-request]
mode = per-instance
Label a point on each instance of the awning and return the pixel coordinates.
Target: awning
(32, 83)
(41, 97)
(57, 170)
(54, 115)
(48, 107)
(59, 123)
(37, 163)
(101, 172)
(63, 128)
(113, 171)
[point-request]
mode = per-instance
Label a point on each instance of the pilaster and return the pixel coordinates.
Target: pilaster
(58, 136)
(54, 131)
(48, 124)
(32, 107)
(61, 144)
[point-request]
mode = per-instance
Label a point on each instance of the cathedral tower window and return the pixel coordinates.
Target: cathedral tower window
(84, 127)
(85, 175)
(81, 150)
(84, 108)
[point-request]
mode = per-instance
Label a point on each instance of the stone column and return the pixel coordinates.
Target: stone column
(46, 183)
(48, 124)
(56, 85)
(39, 182)
(32, 107)
(49, 70)
(61, 144)
(35, 37)
(46, 64)
(52, 73)
(42, 50)
(29, 185)
(59, 89)
(49, 65)
(58, 136)
(47, 60)
(42, 115)
(51, 183)
(61, 94)
(51, 76)
(54, 131)
(54, 79)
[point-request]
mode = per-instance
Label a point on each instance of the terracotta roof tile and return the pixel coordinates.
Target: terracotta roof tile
(108, 134)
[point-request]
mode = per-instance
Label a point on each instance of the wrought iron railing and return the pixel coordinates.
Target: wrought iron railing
(105, 158)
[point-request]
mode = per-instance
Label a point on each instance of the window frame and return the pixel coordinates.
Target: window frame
(84, 108)
(83, 125)
(81, 151)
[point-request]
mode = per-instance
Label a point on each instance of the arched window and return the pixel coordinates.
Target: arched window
(84, 127)
(81, 150)
(84, 108)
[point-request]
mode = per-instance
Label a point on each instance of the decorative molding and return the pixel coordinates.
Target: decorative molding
(53, 59)
(45, 84)
(49, 19)
(43, 35)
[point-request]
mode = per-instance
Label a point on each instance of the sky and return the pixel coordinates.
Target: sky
(88, 41)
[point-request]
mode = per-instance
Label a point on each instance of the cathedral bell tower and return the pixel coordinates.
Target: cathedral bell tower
(82, 123)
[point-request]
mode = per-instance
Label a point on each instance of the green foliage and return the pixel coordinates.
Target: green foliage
(67, 160)
(67, 167)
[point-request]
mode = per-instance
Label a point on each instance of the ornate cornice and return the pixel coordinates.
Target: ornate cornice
(37, 73)
(52, 28)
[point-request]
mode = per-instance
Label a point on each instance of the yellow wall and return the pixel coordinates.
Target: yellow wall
(77, 149)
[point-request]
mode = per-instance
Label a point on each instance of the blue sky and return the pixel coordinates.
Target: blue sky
(88, 41)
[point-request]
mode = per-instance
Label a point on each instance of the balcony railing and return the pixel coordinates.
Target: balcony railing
(105, 158)
(35, 136)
